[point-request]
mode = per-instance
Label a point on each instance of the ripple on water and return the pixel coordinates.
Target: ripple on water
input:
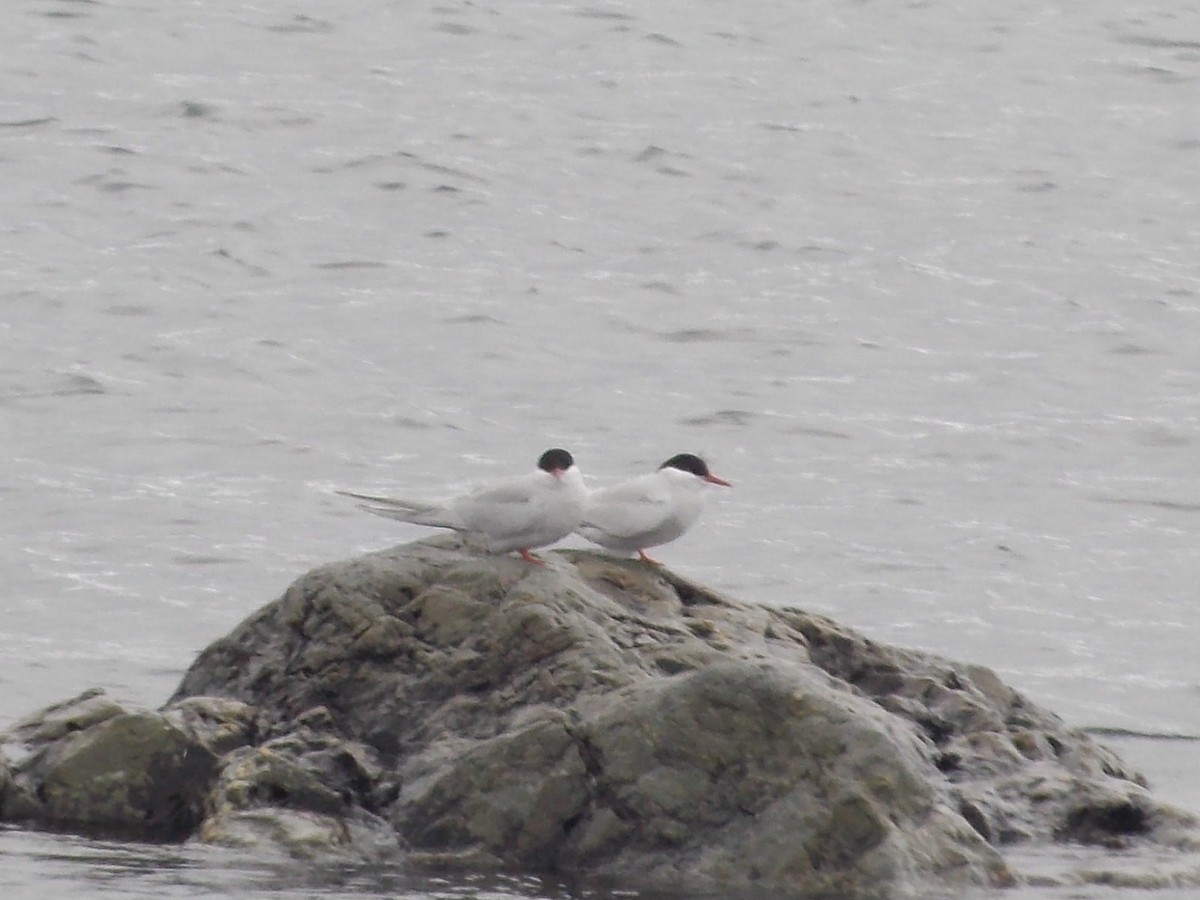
(125, 869)
(128, 309)
(706, 335)
(739, 417)
(474, 319)
(812, 431)
(201, 559)
(301, 24)
(351, 264)
(56, 384)
(194, 109)
(1172, 505)
(28, 123)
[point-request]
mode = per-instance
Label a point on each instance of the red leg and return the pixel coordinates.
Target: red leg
(532, 558)
(648, 559)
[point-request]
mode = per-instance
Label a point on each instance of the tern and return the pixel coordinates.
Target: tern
(651, 509)
(520, 514)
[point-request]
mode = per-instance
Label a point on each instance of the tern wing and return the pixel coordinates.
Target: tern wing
(502, 511)
(628, 510)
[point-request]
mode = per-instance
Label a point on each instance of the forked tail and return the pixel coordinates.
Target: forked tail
(404, 510)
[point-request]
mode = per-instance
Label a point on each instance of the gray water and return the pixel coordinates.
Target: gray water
(921, 279)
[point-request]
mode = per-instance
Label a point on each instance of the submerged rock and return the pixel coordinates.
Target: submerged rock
(597, 717)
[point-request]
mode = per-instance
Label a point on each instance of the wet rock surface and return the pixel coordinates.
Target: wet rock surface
(597, 717)
(89, 765)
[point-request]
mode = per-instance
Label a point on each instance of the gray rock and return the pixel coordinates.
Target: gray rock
(306, 793)
(218, 723)
(600, 717)
(60, 719)
(1016, 771)
(88, 765)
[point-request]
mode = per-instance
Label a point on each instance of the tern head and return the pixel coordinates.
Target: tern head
(689, 462)
(555, 461)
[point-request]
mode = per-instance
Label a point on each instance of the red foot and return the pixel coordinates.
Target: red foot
(648, 559)
(532, 558)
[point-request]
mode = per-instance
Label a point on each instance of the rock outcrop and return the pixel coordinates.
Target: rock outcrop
(597, 717)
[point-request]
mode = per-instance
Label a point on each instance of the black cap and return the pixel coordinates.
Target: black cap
(557, 460)
(687, 462)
